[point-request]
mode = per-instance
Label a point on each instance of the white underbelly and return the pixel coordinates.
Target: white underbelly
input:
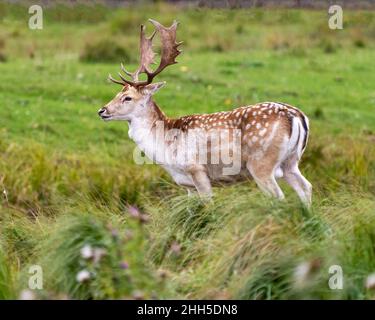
(220, 173)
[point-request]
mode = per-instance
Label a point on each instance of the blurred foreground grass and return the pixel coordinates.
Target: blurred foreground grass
(73, 200)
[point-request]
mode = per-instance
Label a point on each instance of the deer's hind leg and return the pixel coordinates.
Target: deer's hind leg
(201, 182)
(296, 180)
(263, 172)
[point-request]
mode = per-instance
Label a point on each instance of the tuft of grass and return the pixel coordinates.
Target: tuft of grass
(96, 255)
(318, 113)
(3, 57)
(6, 278)
(253, 249)
(35, 178)
(359, 43)
(328, 46)
(277, 42)
(104, 51)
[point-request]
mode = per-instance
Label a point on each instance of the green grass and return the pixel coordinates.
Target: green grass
(6, 279)
(68, 178)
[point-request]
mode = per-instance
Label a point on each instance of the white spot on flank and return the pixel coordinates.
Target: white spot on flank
(270, 137)
(248, 126)
(262, 132)
(258, 126)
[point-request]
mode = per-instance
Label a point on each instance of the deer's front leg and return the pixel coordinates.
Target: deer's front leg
(201, 182)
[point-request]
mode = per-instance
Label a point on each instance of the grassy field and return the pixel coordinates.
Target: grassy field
(67, 179)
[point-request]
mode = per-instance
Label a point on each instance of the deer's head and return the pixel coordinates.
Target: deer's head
(133, 99)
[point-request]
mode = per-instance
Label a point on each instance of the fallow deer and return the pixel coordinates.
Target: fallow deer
(271, 137)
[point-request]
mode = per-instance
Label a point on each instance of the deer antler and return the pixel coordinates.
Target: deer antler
(169, 52)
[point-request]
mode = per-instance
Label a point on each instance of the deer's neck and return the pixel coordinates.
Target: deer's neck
(150, 115)
(143, 128)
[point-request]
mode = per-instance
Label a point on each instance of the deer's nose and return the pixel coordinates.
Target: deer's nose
(101, 111)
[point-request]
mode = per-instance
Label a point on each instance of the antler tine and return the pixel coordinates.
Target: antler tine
(114, 80)
(147, 57)
(133, 75)
(123, 78)
(126, 72)
(145, 48)
(169, 52)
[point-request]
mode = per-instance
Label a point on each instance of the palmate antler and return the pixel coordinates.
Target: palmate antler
(169, 52)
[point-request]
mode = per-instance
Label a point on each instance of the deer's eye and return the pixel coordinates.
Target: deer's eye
(127, 99)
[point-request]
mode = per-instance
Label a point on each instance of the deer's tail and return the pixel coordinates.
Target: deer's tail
(299, 134)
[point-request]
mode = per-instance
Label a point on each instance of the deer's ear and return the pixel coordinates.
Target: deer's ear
(151, 88)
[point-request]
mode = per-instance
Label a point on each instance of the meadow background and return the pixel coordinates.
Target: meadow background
(73, 200)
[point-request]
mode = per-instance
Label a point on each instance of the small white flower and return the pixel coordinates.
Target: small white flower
(5, 194)
(304, 271)
(27, 295)
(83, 276)
(370, 281)
(301, 272)
(87, 252)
